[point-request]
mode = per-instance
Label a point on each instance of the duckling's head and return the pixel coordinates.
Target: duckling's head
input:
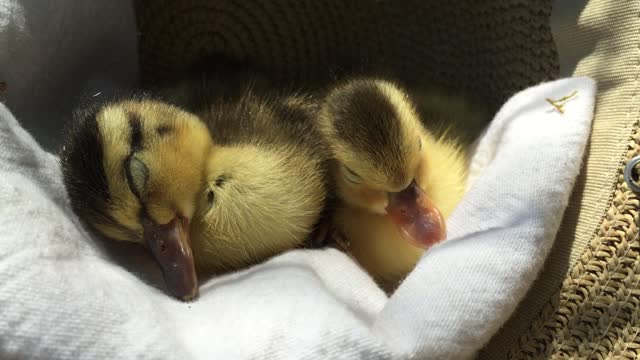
(379, 147)
(133, 170)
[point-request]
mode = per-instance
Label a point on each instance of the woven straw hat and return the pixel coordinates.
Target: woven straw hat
(486, 48)
(586, 302)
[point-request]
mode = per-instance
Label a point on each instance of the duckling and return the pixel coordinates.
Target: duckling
(236, 180)
(397, 180)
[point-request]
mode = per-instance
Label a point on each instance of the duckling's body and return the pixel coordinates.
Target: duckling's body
(400, 170)
(268, 173)
(237, 178)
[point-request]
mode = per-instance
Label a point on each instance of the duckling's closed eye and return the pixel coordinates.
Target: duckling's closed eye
(137, 174)
(351, 175)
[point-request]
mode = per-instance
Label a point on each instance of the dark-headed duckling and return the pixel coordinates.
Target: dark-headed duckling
(238, 178)
(397, 173)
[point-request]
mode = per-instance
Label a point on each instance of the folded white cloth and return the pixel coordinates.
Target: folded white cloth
(65, 296)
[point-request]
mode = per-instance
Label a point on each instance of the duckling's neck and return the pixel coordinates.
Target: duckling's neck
(443, 174)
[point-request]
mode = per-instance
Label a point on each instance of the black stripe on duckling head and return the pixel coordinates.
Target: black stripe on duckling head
(136, 131)
(365, 118)
(84, 176)
(135, 170)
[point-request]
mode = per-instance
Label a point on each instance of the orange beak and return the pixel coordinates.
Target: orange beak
(416, 216)
(170, 246)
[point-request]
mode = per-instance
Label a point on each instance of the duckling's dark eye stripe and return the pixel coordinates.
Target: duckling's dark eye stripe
(136, 132)
(136, 145)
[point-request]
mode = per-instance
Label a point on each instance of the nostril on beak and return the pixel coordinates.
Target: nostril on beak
(183, 220)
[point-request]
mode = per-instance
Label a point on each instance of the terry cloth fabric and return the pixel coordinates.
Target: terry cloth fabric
(66, 296)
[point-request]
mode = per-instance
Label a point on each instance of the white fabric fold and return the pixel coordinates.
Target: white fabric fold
(64, 295)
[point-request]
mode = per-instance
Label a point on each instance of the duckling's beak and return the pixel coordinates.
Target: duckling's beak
(416, 216)
(170, 246)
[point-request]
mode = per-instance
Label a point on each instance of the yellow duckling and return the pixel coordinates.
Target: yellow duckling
(397, 180)
(238, 181)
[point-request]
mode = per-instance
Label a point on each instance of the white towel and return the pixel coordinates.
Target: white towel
(65, 296)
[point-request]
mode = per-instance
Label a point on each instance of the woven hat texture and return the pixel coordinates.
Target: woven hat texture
(585, 303)
(489, 49)
(596, 313)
